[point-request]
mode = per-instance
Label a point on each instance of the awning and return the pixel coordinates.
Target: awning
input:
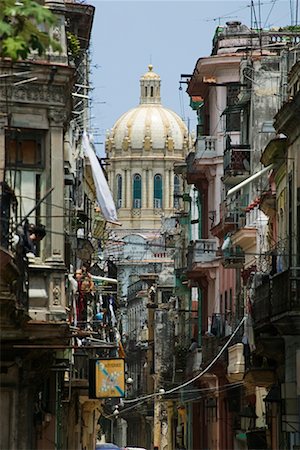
(104, 196)
(250, 179)
(97, 278)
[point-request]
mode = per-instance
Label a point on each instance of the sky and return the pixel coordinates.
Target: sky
(169, 34)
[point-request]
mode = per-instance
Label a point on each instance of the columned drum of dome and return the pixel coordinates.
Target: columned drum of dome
(142, 147)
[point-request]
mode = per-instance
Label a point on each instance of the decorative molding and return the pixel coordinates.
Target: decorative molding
(136, 212)
(35, 94)
(57, 116)
(56, 291)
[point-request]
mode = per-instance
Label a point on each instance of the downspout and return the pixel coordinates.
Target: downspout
(58, 411)
(199, 204)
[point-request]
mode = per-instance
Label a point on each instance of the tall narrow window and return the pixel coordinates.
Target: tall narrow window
(137, 191)
(158, 191)
(119, 191)
(233, 116)
(146, 91)
(151, 91)
(176, 191)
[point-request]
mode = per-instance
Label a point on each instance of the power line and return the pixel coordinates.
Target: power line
(197, 377)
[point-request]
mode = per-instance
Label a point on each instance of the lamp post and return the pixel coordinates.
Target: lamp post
(115, 416)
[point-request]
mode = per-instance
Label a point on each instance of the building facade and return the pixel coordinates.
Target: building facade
(51, 225)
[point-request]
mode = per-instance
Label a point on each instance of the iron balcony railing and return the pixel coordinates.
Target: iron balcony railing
(237, 160)
(201, 251)
(277, 295)
(136, 287)
(286, 291)
(262, 302)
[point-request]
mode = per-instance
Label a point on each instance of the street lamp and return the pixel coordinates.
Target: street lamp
(115, 416)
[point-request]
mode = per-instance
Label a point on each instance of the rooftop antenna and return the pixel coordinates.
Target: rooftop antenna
(214, 19)
(291, 11)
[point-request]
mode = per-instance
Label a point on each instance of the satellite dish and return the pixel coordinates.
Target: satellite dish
(246, 164)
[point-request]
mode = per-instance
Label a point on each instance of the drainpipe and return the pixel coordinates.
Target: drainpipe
(199, 204)
(189, 428)
(199, 317)
(58, 411)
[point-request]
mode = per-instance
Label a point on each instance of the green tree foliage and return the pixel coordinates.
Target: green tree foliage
(73, 44)
(21, 28)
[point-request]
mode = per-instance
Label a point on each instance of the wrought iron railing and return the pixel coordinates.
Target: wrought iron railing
(202, 251)
(237, 159)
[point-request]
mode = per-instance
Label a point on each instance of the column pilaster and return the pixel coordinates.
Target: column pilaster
(123, 173)
(144, 189)
(150, 189)
(166, 189)
(3, 123)
(55, 170)
(128, 188)
(171, 188)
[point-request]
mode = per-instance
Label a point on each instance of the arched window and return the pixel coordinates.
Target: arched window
(151, 91)
(137, 191)
(146, 91)
(176, 191)
(119, 191)
(157, 191)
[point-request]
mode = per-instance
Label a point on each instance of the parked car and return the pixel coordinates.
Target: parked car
(107, 446)
(134, 448)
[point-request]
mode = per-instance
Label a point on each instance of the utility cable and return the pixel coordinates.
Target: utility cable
(156, 394)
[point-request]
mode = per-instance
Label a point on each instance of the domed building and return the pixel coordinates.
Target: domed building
(142, 148)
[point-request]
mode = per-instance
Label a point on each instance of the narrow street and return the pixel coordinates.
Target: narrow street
(149, 289)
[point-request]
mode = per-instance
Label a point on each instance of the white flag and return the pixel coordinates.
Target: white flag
(103, 193)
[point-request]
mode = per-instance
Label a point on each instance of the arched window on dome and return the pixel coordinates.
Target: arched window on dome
(176, 191)
(119, 191)
(151, 91)
(137, 191)
(158, 191)
(146, 93)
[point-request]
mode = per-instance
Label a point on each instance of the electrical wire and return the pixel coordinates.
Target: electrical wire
(219, 389)
(170, 391)
(271, 9)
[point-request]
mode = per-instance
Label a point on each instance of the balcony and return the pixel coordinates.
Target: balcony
(236, 164)
(286, 301)
(233, 258)
(47, 293)
(206, 147)
(204, 157)
(211, 345)
(262, 304)
(193, 362)
(201, 255)
(277, 302)
(138, 289)
(236, 363)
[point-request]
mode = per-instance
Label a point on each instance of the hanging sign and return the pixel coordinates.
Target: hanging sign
(107, 378)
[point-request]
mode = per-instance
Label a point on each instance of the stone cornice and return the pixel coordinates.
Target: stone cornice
(35, 94)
